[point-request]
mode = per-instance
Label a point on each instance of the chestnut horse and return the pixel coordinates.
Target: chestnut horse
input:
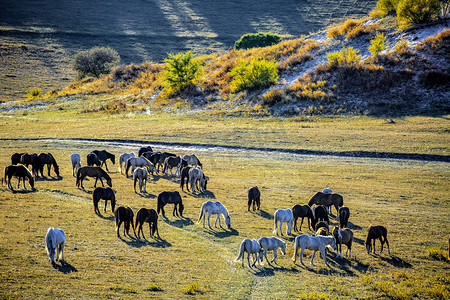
(327, 199)
(96, 172)
(21, 172)
(376, 232)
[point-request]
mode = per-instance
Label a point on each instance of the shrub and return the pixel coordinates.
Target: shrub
(411, 12)
(437, 254)
(387, 6)
(345, 57)
(273, 96)
(34, 93)
(254, 40)
(377, 44)
(182, 70)
(95, 62)
(259, 73)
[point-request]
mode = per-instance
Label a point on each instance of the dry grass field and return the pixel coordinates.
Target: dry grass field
(408, 197)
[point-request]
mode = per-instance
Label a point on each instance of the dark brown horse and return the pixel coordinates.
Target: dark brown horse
(376, 232)
(49, 160)
(151, 217)
(254, 198)
(15, 158)
(302, 211)
(344, 215)
(321, 225)
(327, 199)
(162, 159)
(104, 155)
(31, 159)
(92, 159)
(174, 162)
(343, 236)
(124, 215)
(21, 172)
(142, 150)
(320, 213)
(185, 178)
(96, 172)
(170, 197)
(105, 194)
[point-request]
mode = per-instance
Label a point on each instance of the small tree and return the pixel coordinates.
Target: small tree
(377, 44)
(259, 73)
(387, 6)
(95, 62)
(181, 70)
(345, 57)
(411, 12)
(253, 40)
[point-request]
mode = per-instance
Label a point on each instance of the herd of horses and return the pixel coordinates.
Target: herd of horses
(190, 170)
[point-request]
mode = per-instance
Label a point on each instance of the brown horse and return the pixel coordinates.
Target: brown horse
(49, 160)
(184, 178)
(151, 217)
(142, 150)
(96, 172)
(376, 232)
(103, 155)
(254, 198)
(327, 199)
(92, 159)
(170, 197)
(21, 172)
(124, 215)
(105, 194)
(343, 236)
(343, 214)
(302, 211)
(15, 158)
(31, 159)
(320, 213)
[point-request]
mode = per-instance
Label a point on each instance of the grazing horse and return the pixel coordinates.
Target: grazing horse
(322, 225)
(140, 174)
(253, 248)
(192, 160)
(320, 213)
(105, 194)
(283, 215)
(272, 243)
(343, 215)
(162, 158)
(55, 239)
(315, 243)
(376, 232)
(75, 159)
(254, 198)
(151, 217)
(92, 159)
(196, 175)
(170, 197)
(211, 207)
(135, 162)
(174, 162)
(21, 172)
(302, 211)
(184, 178)
(142, 150)
(123, 160)
(96, 172)
(31, 159)
(49, 160)
(327, 199)
(104, 155)
(15, 158)
(124, 215)
(343, 236)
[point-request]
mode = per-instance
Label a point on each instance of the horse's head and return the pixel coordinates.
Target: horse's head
(368, 247)
(261, 254)
(180, 209)
(333, 244)
(108, 182)
(228, 221)
(283, 248)
(113, 158)
(31, 181)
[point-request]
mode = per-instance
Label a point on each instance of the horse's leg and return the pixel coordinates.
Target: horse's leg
(301, 224)
(387, 243)
(312, 257)
(324, 256)
(217, 219)
(106, 201)
(174, 209)
(209, 217)
(248, 258)
(281, 225)
(101, 180)
(118, 227)
(382, 244)
(274, 255)
(301, 255)
(95, 183)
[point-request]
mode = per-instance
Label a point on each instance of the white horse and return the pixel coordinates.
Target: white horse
(123, 160)
(196, 176)
(272, 243)
(315, 243)
(140, 161)
(76, 162)
(253, 248)
(55, 239)
(192, 160)
(211, 207)
(283, 215)
(140, 174)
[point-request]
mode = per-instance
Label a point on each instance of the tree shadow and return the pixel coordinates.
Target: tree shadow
(396, 261)
(65, 267)
(264, 214)
(222, 234)
(179, 223)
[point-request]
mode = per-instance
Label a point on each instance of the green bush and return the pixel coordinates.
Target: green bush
(377, 44)
(34, 93)
(387, 6)
(181, 70)
(345, 57)
(259, 73)
(254, 40)
(411, 12)
(95, 62)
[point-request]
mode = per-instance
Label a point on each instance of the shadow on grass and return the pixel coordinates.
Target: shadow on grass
(353, 226)
(65, 268)
(358, 241)
(24, 191)
(146, 195)
(396, 261)
(109, 218)
(264, 214)
(138, 242)
(222, 234)
(51, 178)
(180, 223)
(205, 194)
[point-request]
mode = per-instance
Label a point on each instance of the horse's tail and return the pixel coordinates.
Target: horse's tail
(159, 204)
(116, 216)
(127, 167)
(202, 211)
(78, 176)
(241, 251)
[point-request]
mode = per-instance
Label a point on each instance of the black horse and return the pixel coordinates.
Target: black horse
(302, 211)
(124, 215)
(15, 158)
(96, 172)
(92, 159)
(104, 155)
(31, 159)
(21, 172)
(105, 194)
(49, 160)
(320, 213)
(344, 214)
(254, 198)
(170, 197)
(151, 217)
(174, 162)
(142, 150)
(184, 178)
(322, 225)
(376, 232)
(162, 158)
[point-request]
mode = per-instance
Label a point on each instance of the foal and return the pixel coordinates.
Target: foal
(343, 236)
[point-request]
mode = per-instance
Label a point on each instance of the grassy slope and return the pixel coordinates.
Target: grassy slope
(406, 196)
